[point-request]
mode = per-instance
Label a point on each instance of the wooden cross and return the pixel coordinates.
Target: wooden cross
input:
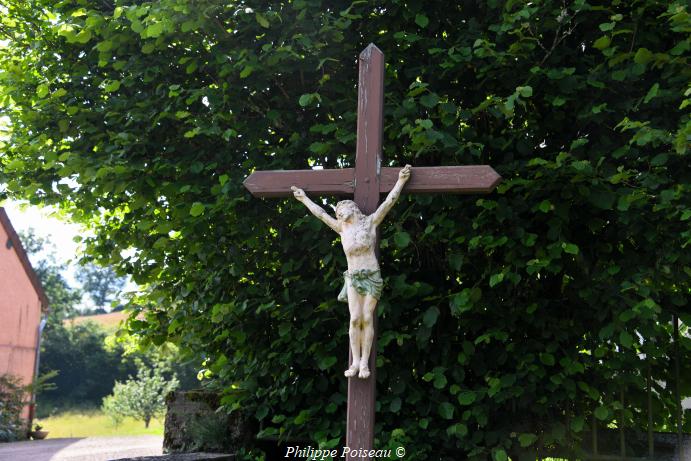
(367, 182)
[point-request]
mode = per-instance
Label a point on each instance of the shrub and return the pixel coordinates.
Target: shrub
(142, 397)
(112, 410)
(12, 401)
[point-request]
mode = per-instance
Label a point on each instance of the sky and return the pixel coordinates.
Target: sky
(58, 232)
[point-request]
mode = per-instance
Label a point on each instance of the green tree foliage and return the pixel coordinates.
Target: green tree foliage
(501, 314)
(89, 363)
(142, 397)
(102, 284)
(88, 368)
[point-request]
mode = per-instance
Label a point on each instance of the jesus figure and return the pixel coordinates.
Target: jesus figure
(363, 283)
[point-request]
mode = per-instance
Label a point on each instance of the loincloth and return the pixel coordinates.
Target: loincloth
(365, 282)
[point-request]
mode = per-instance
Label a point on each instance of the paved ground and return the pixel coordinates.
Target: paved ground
(82, 449)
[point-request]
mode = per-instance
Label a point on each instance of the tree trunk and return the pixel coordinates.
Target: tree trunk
(147, 420)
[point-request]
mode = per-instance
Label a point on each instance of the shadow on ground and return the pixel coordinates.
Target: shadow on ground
(83, 449)
(36, 450)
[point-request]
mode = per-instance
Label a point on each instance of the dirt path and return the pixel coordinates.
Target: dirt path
(82, 449)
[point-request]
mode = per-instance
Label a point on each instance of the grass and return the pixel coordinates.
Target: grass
(94, 422)
(109, 322)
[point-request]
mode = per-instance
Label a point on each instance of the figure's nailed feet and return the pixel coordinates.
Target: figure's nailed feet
(364, 372)
(352, 371)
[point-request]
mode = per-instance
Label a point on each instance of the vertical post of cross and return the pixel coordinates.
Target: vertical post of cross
(370, 120)
(368, 158)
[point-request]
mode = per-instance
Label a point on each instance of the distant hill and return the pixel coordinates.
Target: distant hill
(109, 321)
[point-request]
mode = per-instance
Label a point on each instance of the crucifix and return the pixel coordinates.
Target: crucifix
(366, 182)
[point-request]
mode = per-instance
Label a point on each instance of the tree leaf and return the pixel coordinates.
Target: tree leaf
(83, 37)
(247, 71)
(188, 26)
(625, 339)
(402, 239)
(429, 100)
(527, 439)
(496, 279)
(427, 124)
(458, 430)
(440, 381)
(104, 46)
(602, 199)
(525, 91)
(643, 56)
(446, 410)
(601, 413)
(261, 412)
(547, 358)
(466, 397)
(570, 248)
(652, 92)
(500, 455)
(395, 405)
(197, 209)
(42, 90)
(602, 42)
(421, 20)
(112, 86)
(545, 206)
(430, 317)
(302, 417)
(305, 99)
(327, 362)
(261, 19)
(154, 30)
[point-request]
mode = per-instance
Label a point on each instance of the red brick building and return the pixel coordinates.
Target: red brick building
(22, 304)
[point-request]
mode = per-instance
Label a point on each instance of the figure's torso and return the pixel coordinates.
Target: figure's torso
(358, 242)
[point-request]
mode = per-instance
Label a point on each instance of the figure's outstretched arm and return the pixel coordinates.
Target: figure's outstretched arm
(403, 176)
(315, 209)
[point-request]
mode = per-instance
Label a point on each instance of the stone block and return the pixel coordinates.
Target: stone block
(183, 457)
(192, 424)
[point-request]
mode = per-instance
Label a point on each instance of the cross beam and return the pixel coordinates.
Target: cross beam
(471, 179)
(366, 182)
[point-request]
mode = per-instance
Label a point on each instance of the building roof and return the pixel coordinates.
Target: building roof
(15, 243)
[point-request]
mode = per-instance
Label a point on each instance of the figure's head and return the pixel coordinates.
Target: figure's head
(346, 209)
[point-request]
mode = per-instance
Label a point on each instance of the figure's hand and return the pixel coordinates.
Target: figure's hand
(298, 193)
(404, 174)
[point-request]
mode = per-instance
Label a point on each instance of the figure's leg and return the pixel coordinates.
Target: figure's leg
(355, 331)
(368, 312)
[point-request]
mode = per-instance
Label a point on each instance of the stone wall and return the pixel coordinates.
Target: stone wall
(192, 425)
